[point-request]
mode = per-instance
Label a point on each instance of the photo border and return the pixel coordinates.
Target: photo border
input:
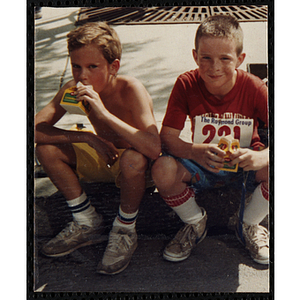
(30, 156)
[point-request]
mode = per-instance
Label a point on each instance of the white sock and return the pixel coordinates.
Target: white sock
(82, 210)
(258, 207)
(125, 220)
(185, 206)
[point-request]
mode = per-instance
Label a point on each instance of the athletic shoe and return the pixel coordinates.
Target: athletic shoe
(186, 239)
(121, 245)
(74, 236)
(256, 241)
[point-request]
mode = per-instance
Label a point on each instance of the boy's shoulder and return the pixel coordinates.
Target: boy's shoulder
(250, 86)
(129, 84)
(249, 79)
(127, 81)
(130, 90)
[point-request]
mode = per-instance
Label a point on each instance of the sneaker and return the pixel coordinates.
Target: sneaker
(256, 241)
(186, 239)
(121, 245)
(74, 236)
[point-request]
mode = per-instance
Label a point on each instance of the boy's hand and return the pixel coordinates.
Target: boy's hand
(210, 156)
(107, 149)
(88, 94)
(250, 160)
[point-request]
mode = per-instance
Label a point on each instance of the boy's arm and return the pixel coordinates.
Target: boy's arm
(209, 156)
(47, 133)
(144, 135)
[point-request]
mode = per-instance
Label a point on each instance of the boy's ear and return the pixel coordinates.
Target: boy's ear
(241, 59)
(195, 55)
(115, 66)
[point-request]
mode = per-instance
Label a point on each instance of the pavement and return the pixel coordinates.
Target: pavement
(156, 55)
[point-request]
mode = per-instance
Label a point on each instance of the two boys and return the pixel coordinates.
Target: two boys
(127, 139)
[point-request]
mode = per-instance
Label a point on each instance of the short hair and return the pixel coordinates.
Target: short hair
(224, 26)
(99, 34)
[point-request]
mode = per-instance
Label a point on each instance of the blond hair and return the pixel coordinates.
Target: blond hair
(99, 34)
(224, 26)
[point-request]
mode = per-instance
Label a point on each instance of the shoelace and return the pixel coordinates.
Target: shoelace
(188, 233)
(119, 241)
(71, 228)
(258, 235)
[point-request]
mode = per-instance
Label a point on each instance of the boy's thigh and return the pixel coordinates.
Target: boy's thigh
(48, 153)
(202, 179)
(90, 166)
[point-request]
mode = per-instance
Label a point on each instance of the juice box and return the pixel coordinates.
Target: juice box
(71, 105)
(229, 145)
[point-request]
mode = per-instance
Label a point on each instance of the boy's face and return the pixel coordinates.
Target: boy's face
(91, 68)
(217, 60)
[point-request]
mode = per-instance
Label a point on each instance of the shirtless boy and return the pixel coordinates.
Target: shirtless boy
(126, 139)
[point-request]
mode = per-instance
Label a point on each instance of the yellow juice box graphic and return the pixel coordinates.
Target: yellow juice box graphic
(229, 145)
(71, 105)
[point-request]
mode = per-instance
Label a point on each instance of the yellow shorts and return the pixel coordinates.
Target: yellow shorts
(90, 166)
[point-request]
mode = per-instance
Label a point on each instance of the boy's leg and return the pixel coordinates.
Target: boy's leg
(170, 176)
(255, 236)
(59, 162)
(133, 167)
(171, 179)
(258, 207)
(123, 238)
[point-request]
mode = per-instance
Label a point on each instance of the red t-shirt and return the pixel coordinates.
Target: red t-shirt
(236, 114)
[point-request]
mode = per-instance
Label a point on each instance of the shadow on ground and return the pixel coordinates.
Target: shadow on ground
(212, 267)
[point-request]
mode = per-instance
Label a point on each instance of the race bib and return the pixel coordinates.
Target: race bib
(210, 130)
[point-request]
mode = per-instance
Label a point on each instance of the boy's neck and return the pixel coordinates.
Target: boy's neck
(109, 89)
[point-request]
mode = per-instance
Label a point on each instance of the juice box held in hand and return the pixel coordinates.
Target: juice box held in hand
(71, 105)
(229, 145)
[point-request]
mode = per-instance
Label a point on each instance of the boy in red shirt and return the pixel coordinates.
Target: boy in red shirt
(220, 100)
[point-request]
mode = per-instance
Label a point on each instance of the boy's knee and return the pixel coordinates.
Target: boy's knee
(164, 171)
(132, 161)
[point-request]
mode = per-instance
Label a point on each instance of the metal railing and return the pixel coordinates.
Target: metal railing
(170, 14)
